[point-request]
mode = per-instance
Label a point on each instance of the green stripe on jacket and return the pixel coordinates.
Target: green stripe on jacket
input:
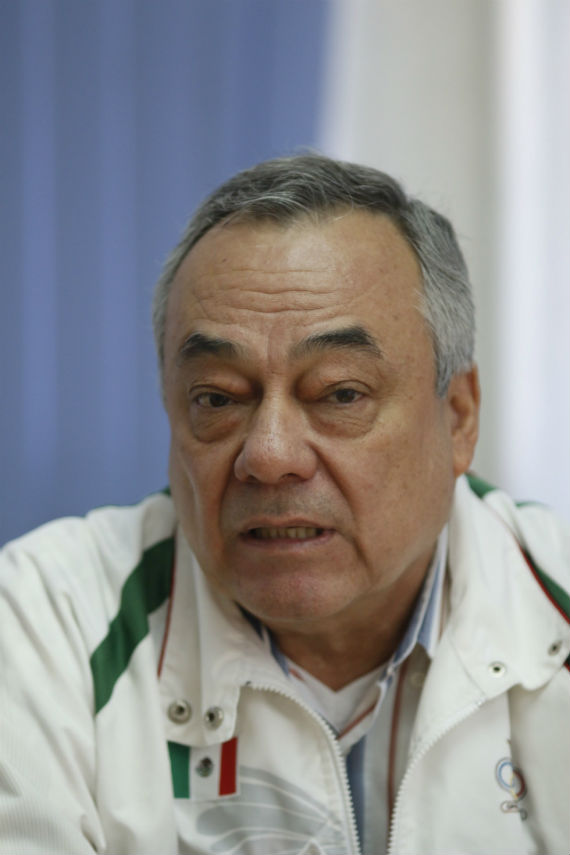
(146, 588)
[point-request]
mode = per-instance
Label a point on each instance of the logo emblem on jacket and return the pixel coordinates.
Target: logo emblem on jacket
(204, 774)
(511, 779)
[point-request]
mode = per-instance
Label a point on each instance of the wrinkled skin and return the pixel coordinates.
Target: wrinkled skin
(312, 476)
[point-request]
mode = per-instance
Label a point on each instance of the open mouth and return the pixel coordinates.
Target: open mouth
(294, 532)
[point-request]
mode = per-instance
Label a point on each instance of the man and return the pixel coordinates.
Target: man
(327, 639)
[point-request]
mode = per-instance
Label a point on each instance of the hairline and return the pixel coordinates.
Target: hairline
(287, 190)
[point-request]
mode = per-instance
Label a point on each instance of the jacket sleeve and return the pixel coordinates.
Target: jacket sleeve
(47, 753)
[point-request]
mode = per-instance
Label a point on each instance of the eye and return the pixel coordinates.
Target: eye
(345, 396)
(212, 400)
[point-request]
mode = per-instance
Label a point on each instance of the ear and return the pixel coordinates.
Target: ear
(464, 398)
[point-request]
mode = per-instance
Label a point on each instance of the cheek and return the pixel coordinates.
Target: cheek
(406, 461)
(195, 483)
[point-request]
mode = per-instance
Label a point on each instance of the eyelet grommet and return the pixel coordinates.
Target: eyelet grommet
(179, 711)
(213, 717)
(555, 647)
(497, 669)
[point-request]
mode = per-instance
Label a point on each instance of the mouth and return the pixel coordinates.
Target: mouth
(293, 532)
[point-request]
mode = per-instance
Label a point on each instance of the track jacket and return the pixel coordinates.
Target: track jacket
(142, 713)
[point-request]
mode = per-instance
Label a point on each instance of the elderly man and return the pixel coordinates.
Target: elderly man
(324, 638)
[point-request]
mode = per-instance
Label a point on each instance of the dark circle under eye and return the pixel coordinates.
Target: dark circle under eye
(346, 396)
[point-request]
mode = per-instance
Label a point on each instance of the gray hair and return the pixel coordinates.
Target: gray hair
(288, 188)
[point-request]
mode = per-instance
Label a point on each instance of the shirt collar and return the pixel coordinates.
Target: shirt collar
(423, 627)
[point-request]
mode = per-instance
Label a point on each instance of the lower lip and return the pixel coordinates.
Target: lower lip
(288, 544)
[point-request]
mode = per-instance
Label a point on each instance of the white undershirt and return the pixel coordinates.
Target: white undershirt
(341, 707)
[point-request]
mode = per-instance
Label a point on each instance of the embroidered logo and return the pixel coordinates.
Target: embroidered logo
(510, 778)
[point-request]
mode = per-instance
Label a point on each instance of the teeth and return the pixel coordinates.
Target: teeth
(291, 532)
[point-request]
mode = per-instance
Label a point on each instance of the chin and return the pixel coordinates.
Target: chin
(291, 604)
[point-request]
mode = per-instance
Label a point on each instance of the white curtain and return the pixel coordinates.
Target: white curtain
(468, 103)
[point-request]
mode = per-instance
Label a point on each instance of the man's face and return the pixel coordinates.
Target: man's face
(312, 464)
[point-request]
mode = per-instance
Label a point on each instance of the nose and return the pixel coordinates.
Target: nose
(276, 448)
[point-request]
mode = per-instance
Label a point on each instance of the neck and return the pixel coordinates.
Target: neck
(341, 649)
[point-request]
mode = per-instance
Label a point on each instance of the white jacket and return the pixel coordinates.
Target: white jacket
(93, 743)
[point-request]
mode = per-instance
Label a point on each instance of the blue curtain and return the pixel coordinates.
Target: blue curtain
(118, 116)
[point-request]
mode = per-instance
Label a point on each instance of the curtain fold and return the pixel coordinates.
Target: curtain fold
(118, 117)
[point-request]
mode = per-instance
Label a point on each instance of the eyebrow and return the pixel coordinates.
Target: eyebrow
(199, 344)
(354, 337)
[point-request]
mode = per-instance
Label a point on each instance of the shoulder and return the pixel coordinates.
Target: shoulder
(82, 564)
(113, 533)
(541, 535)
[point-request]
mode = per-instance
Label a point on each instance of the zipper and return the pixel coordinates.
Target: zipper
(461, 716)
(348, 801)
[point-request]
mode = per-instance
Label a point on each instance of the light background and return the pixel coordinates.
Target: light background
(119, 115)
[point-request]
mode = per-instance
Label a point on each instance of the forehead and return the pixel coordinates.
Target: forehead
(247, 280)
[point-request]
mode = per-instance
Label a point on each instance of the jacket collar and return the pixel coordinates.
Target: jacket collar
(500, 623)
(210, 652)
